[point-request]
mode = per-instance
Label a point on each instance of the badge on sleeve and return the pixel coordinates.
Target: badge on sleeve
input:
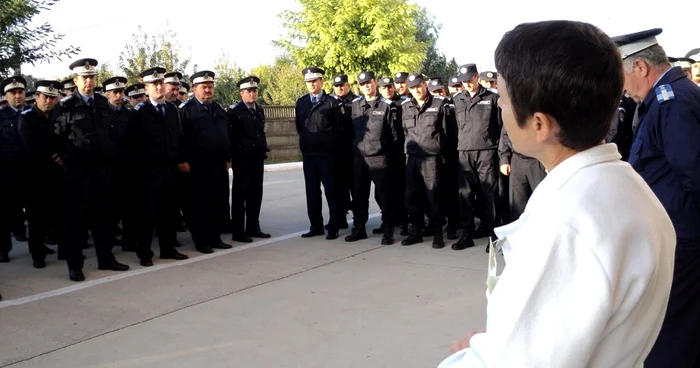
(664, 93)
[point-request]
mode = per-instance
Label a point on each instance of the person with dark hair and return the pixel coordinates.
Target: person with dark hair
(589, 263)
(665, 152)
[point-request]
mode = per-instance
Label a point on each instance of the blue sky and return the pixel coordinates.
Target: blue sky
(244, 29)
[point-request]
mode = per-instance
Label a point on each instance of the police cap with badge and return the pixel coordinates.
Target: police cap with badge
(340, 79)
(68, 85)
(205, 76)
(153, 75)
(84, 67)
(633, 43)
(13, 83)
(250, 82)
(29, 97)
(312, 73)
(365, 77)
(467, 72)
(48, 87)
(694, 55)
(136, 90)
(684, 62)
(172, 78)
(184, 88)
(114, 84)
(488, 76)
(454, 82)
(435, 84)
(400, 77)
(415, 79)
(386, 82)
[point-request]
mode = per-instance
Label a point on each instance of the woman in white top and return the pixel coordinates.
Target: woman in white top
(589, 263)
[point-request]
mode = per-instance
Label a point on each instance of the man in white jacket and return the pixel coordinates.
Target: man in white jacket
(589, 264)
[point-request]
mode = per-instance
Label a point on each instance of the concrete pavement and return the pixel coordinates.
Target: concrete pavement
(283, 302)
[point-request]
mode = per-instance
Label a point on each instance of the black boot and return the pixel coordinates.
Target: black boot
(428, 231)
(378, 230)
(358, 233)
(451, 232)
(405, 231)
(415, 237)
(437, 240)
(464, 242)
(388, 238)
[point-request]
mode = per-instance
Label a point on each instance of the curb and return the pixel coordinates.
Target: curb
(284, 166)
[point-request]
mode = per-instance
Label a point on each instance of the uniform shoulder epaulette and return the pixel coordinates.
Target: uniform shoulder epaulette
(387, 101)
(358, 98)
(67, 98)
(440, 97)
(24, 112)
(139, 105)
(184, 103)
(404, 98)
(336, 97)
(457, 94)
(664, 93)
(405, 101)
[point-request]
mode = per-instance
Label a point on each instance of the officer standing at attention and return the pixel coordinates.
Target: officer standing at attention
(35, 127)
(318, 118)
(68, 86)
(205, 156)
(694, 54)
(684, 63)
(29, 98)
(400, 79)
(136, 93)
(172, 87)
(375, 124)
(82, 137)
(345, 153)
(454, 86)
(184, 90)
(665, 152)
(479, 124)
(248, 153)
(114, 91)
(425, 125)
(12, 161)
(488, 80)
(153, 150)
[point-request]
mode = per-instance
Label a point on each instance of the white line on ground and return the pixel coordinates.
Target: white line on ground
(141, 271)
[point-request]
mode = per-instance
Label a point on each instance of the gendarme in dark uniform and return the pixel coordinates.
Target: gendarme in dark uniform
(82, 136)
(345, 151)
(425, 128)
(479, 124)
(375, 124)
(666, 153)
(248, 153)
(13, 164)
(205, 155)
(318, 117)
(153, 151)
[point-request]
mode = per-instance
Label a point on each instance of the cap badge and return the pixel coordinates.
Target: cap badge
(87, 65)
(412, 78)
(489, 74)
(50, 88)
(398, 75)
(455, 80)
(387, 80)
(337, 79)
(362, 76)
(435, 83)
(463, 70)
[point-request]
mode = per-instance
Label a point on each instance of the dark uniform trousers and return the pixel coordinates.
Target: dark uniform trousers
(11, 192)
(86, 200)
(320, 169)
(375, 169)
(525, 175)
(398, 185)
(247, 193)
(343, 179)
(121, 194)
(478, 178)
(157, 188)
(208, 201)
(423, 181)
(39, 210)
(678, 344)
(503, 214)
(450, 186)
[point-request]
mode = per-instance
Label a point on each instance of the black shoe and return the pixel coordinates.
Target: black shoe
(332, 235)
(128, 247)
(388, 238)
(414, 238)
(21, 237)
(0, 296)
(464, 242)
(242, 239)
(113, 266)
(358, 233)
(438, 242)
(174, 255)
(146, 263)
(259, 234)
(84, 244)
(451, 233)
(48, 250)
(39, 264)
(177, 244)
(62, 257)
(488, 247)
(205, 250)
(379, 230)
(4, 257)
(76, 275)
(312, 233)
(222, 245)
(404, 230)
(428, 231)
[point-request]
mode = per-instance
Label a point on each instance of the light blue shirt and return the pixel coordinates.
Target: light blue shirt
(85, 98)
(318, 96)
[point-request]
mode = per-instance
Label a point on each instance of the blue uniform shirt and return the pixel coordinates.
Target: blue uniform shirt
(666, 149)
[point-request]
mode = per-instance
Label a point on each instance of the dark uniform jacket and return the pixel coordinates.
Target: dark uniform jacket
(318, 125)
(621, 132)
(375, 126)
(478, 120)
(205, 133)
(10, 141)
(117, 129)
(424, 128)
(666, 149)
(346, 133)
(81, 132)
(152, 139)
(36, 131)
(247, 131)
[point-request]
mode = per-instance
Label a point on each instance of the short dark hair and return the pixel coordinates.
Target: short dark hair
(569, 70)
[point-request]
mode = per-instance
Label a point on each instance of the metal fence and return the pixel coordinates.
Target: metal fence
(279, 112)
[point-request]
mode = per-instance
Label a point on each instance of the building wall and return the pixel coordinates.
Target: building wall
(281, 134)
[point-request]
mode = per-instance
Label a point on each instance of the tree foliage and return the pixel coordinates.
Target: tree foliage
(435, 63)
(352, 36)
(227, 75)
(280, 83)
(21, 43)
(148, 51)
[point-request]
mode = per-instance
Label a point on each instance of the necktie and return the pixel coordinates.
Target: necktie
(161, 109)
(89, 101)
(314, 99)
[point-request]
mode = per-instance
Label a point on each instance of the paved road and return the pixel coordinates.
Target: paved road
(282, 302)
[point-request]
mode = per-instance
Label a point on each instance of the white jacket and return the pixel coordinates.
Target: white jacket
(588, 272)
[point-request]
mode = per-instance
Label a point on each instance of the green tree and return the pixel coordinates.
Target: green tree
(21, 43)
(146, 52)
(435, 63)
(103, 73)
(227, 75)
(280, 83)
(353, 36)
